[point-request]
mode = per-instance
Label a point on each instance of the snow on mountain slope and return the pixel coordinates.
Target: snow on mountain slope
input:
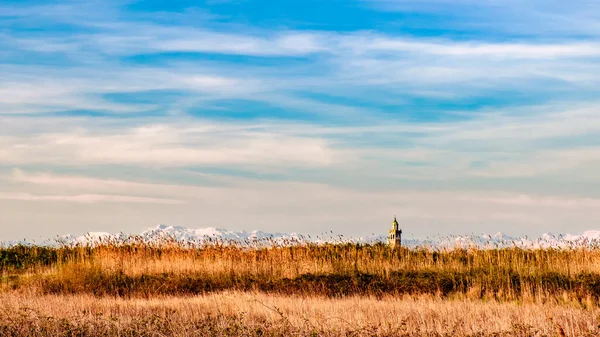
(210, 234)
(199, 236)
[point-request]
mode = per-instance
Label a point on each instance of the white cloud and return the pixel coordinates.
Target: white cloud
(542, 141)
(168, 145)
(350, 82)
(536, 18)
(352, 59)
(86, 198)
(371, 43)
(287, 44)
(302, 207)
(30, 89)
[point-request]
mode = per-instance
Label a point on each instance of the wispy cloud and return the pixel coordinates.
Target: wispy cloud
(546, 19)
(317, 206)
(333, 63)
(492, 144)
(86, 198)
(334, 124)
(201, 143)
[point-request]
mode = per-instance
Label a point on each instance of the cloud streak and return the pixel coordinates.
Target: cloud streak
(86, 198)
(317, 206)
(168, 145)
(454, 118)
(546, 19)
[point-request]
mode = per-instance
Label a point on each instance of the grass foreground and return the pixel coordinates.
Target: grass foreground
(258, 314)
(169, 289)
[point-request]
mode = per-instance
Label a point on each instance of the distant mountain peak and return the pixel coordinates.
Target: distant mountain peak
(211, 235)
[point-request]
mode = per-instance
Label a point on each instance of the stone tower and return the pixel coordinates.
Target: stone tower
(394, 235)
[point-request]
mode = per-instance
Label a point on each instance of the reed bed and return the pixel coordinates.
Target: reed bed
(259, 314)
(169, 288)
(134, 268)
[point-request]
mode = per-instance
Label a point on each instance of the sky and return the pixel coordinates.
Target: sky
(457, 117)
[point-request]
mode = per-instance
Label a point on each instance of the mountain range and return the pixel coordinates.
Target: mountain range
(200, 236)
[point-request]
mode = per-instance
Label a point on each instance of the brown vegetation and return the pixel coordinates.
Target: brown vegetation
(330, 270)
(257, 314)
(336, 289)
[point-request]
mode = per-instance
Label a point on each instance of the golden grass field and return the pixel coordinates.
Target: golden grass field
(233, 313)
(169, 289)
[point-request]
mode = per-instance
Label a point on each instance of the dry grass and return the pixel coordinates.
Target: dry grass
(553, 276)
(344, 289)
(258, 314)
(290, 261)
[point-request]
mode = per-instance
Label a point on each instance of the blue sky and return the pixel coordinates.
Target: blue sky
(456, 116)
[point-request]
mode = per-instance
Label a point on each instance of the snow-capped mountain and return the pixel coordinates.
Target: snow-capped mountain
(201, 236)
(198, 236)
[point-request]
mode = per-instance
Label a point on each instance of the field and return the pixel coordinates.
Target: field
(170, 289)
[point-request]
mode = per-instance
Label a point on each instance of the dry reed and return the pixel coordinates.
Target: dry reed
(543, 275)
(258, 314)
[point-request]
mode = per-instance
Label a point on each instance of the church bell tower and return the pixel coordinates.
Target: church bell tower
(394, 235)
